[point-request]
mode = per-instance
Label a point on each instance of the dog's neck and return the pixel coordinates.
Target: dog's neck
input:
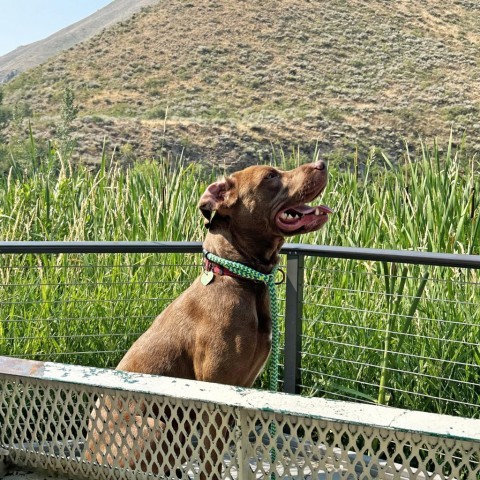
(256, 252)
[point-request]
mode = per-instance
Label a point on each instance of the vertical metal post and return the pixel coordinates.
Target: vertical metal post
(293, 322)
(242, 442)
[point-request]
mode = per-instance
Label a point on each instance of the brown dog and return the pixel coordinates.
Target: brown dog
(221, 332)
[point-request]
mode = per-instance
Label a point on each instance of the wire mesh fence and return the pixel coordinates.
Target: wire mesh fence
(391, 333)
(372, 327)
(85, 309)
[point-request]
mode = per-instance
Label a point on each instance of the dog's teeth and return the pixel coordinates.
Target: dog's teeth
(317, 211)
(290, 216)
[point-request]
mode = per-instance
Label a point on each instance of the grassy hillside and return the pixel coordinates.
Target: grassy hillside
(221, 81)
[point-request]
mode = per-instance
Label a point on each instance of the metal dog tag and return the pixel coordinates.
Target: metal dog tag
(207, 277)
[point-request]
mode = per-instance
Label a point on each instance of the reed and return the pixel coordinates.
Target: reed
(51, 306)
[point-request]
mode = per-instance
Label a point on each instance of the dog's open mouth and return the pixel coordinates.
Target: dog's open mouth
(302, 218)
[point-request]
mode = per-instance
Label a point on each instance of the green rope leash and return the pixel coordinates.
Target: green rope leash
(269, 280)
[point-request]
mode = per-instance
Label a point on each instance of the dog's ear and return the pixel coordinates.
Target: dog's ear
(217, 196)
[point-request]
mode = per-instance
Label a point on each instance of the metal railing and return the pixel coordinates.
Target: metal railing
(398, 328)
(377, 326)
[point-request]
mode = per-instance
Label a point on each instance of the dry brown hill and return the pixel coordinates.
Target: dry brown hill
(222, 80)
(29, 56)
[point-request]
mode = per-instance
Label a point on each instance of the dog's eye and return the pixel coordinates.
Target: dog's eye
(271, 174)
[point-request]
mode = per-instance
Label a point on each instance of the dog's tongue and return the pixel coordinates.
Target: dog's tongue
(306, 210)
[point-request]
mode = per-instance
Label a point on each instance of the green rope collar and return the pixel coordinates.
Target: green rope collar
(269, 279)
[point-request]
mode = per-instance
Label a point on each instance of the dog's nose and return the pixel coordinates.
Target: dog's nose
(320, 165)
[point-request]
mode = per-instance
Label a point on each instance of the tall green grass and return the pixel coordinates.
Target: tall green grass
(371, 332)
(57, 201)
(427, 204)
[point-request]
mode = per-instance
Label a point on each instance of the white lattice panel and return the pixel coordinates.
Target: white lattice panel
(102, 424)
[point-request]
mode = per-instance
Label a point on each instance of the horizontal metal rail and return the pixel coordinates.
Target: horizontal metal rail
(98, 247)
(353, 253)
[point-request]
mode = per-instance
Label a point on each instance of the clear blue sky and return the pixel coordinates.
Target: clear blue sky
(26, 21)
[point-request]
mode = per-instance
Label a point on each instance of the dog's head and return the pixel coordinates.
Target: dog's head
(268, 201)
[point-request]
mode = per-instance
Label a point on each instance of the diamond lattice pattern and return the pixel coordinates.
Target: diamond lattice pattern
(84, 432)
